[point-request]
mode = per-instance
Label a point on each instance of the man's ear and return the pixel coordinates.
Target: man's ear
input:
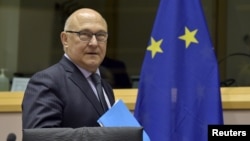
(64, 39)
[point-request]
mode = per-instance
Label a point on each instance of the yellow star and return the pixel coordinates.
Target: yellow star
(189, 37)
(155, 47)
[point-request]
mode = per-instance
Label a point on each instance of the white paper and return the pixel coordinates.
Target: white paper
(19, 83)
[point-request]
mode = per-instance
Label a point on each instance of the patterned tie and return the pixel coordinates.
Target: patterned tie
(97, 81)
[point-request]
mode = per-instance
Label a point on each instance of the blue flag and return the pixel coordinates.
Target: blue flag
(179, 89)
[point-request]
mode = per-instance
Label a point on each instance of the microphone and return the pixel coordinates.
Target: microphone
(11, 137)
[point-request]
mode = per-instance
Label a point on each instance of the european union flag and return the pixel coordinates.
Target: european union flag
(179, 90)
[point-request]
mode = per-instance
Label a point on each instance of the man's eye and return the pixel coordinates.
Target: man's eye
(101, 34)
(85, 34)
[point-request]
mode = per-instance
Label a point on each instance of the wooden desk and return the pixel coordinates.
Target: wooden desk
(232, 98)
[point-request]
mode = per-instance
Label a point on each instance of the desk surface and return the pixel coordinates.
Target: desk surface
(232, 98)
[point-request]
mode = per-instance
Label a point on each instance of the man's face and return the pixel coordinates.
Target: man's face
(86, 52)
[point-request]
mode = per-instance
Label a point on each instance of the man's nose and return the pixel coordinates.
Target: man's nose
(93, 40)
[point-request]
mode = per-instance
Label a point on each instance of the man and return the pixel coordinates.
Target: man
(64, 94)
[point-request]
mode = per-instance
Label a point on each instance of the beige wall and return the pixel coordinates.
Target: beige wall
(10, 123)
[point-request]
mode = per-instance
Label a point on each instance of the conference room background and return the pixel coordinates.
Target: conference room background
(30, 39)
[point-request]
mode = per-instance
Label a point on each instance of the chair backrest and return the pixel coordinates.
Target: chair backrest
(84, 134)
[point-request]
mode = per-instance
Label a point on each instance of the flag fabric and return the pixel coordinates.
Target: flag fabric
(179, 89)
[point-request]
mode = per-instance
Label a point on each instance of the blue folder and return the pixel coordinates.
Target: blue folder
(120, 116)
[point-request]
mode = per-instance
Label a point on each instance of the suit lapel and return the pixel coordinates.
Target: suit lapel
(83, 84)
(79, 80)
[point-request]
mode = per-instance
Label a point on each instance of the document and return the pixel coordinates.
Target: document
(19, 84)
(119, 115)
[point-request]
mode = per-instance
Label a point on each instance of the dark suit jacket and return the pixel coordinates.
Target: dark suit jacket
(60, 96)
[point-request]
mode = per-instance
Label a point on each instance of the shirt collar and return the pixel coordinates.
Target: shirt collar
(83, 71)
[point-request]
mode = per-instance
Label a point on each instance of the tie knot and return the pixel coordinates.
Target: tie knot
(95, 78)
